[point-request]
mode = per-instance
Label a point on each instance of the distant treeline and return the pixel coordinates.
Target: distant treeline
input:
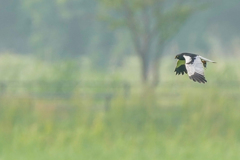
(65, 28)
(69, 28)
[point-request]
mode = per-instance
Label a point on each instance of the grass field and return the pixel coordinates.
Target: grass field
(179, 120)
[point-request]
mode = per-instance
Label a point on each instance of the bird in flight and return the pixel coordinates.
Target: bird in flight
(193, 65)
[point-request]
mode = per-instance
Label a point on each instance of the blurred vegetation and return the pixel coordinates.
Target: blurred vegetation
(109, 31)
(70, 84)
(151, 24)
(178, 120)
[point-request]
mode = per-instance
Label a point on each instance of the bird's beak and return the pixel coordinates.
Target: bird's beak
(175, 57)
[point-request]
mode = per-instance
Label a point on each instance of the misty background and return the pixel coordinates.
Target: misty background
(75, 28)
(100, 31)
(94, 79)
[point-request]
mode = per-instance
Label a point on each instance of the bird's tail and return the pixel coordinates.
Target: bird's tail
(205, 59)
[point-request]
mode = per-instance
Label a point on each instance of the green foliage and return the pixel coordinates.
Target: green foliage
(14, 28)
(192, 126)
(59, 27)
(33, 76)
(171, 21)
(154, 19)
(180, 120)
(151, 25)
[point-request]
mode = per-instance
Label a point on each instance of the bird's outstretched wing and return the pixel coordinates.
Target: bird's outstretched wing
(205, 60)
(180, 68)
(195, 69)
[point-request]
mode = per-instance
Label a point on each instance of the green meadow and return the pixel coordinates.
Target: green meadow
(68, 111)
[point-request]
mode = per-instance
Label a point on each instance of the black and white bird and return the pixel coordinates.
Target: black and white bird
(193, 65)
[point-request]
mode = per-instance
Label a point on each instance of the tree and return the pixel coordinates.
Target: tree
(151, 23)
(14, 27)
(60, 27)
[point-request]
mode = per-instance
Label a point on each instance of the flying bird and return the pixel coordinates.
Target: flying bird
(193, 65)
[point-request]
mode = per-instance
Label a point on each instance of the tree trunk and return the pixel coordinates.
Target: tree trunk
(144, 69)
(155, 72)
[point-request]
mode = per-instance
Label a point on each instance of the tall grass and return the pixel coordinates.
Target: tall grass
(179, 120)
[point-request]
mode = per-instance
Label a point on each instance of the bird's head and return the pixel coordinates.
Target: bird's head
(179, 56)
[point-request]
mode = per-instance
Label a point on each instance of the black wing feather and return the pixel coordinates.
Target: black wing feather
(181, 70)
(198, 77)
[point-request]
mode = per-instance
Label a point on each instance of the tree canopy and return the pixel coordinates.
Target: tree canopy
(151, 24)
